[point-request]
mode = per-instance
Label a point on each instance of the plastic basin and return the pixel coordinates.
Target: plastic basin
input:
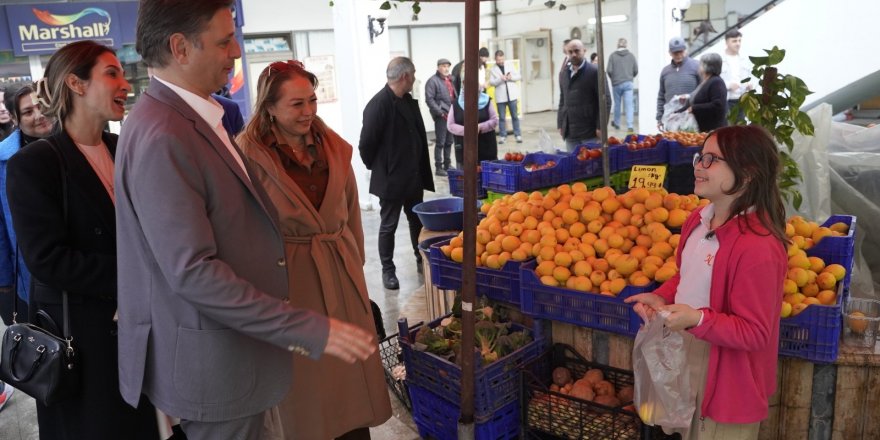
(441, 214)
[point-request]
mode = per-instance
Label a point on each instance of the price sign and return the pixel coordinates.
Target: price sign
(647, 176)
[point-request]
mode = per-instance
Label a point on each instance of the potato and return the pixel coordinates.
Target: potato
(604, 388)
(582, 391)
(626, 394)
(561, 376)
(595, 375)
(607, 401)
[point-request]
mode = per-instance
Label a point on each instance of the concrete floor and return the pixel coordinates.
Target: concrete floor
(18, 419)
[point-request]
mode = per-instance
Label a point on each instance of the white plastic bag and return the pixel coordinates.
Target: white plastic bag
(663, 393)
(545, 144)
(673, 120)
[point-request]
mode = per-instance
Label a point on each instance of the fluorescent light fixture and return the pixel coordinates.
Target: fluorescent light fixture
(610, 19)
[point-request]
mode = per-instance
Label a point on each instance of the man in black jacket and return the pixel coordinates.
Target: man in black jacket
(394, 146)
(439, 93)
(578, 115)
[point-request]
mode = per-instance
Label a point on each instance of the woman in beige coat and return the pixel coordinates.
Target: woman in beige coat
(305, 168)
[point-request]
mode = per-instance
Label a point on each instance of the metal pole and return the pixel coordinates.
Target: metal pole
(603, 116)
(468, 280)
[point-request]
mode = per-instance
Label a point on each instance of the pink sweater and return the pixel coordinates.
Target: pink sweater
(742, 322)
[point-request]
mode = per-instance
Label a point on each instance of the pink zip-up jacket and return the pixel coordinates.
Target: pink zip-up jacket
(742, 322)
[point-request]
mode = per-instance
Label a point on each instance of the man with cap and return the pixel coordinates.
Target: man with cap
(679, 77)
(439, 94)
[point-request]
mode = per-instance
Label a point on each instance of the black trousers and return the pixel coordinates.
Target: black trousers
(389, 214)
(442, 144)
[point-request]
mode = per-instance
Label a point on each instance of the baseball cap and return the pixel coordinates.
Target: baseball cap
(676, 44)
(443, 61)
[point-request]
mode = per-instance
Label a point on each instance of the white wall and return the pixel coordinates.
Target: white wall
(827, 45)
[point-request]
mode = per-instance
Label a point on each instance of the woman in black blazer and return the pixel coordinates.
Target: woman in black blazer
(75, 251)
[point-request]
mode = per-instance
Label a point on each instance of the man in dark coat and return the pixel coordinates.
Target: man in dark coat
(578, 115)
(439, 93)
(394, 147)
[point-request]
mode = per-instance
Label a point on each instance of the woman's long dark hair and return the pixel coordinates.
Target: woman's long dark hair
(753, 156)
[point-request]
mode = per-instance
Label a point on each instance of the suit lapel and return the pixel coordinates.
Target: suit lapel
(163, 93)
(82, 176)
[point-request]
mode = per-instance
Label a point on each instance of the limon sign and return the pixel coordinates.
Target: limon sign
(42, 29)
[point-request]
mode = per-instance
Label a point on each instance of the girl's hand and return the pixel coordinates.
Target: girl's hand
(646, 304)
(681, 316)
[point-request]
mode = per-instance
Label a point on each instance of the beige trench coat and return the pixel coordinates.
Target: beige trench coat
(325, 255)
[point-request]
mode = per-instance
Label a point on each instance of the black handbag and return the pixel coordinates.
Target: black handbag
(34, 359)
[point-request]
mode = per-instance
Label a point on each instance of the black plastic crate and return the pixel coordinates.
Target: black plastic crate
(392, 357)
(550, 415)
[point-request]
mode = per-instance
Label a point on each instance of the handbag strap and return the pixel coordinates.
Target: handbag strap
(65, 320)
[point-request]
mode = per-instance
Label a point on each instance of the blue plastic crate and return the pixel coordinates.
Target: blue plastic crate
(837, 250)
(438, 419)
(510, 177)
(624, 159)
(456, 183)
(679, 154)
(498, 284)
(585, 309)
(583, 169)
(496, 385)
(814, 334)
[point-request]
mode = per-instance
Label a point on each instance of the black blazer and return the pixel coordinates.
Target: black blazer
(394, 146)
(77, 255)
(578, 114)
(709, 104)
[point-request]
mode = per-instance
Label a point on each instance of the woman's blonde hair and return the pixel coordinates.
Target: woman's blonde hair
(268, 93)
(78, 58)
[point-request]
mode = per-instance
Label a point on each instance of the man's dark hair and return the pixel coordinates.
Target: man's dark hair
(484, 52)
(499, 53)
(593, 56)
(733, 33)
(158, 20)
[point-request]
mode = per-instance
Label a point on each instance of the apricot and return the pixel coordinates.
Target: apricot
(827, 297)
(836, 269)
(857, 322)
(798, 275)
(786, 310)
(840, 227)
(826, 281)
(549, 281)
(582, 283)
(561, 273)
(664, 273)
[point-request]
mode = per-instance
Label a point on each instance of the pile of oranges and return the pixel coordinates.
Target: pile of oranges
(809, 281)
(592, 241)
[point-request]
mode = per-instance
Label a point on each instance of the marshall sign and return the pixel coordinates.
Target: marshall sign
(42, 29)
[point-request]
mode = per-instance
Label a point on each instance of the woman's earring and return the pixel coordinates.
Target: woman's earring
(272, 118)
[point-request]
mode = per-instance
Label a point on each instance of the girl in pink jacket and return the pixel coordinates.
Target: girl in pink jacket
(727, 295)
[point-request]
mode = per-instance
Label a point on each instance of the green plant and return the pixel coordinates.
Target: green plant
(416, 7)
(777, 108)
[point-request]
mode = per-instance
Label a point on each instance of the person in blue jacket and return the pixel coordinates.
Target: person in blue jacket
(31, 126)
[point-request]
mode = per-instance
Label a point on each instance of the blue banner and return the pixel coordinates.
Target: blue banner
(42, 29)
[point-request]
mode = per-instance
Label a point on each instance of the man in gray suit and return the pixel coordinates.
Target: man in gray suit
(205, 328)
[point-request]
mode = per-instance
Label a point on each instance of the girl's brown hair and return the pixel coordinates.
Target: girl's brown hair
(78, 58)
(268, 93)
(753, 156)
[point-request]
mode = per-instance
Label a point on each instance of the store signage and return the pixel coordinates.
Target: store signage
(647, 176)
(42, 29)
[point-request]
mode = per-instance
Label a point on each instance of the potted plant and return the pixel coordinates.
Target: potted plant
(776, 107)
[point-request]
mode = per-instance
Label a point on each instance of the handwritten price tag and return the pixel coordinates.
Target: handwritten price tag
(647, 176)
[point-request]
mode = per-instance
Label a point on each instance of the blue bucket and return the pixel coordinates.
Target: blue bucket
(441, 214)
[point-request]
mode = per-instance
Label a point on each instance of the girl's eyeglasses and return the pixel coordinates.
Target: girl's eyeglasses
(706, 160)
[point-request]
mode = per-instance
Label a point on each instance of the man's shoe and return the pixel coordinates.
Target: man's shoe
(519, 139)
(615, 125)
(389, 280)
(6, 394)
(502, 139)
(630, 131)
(440, 172)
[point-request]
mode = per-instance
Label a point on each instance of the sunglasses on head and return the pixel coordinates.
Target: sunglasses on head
(281, 66)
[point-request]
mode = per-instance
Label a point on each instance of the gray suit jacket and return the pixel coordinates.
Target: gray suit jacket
(204, 324)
